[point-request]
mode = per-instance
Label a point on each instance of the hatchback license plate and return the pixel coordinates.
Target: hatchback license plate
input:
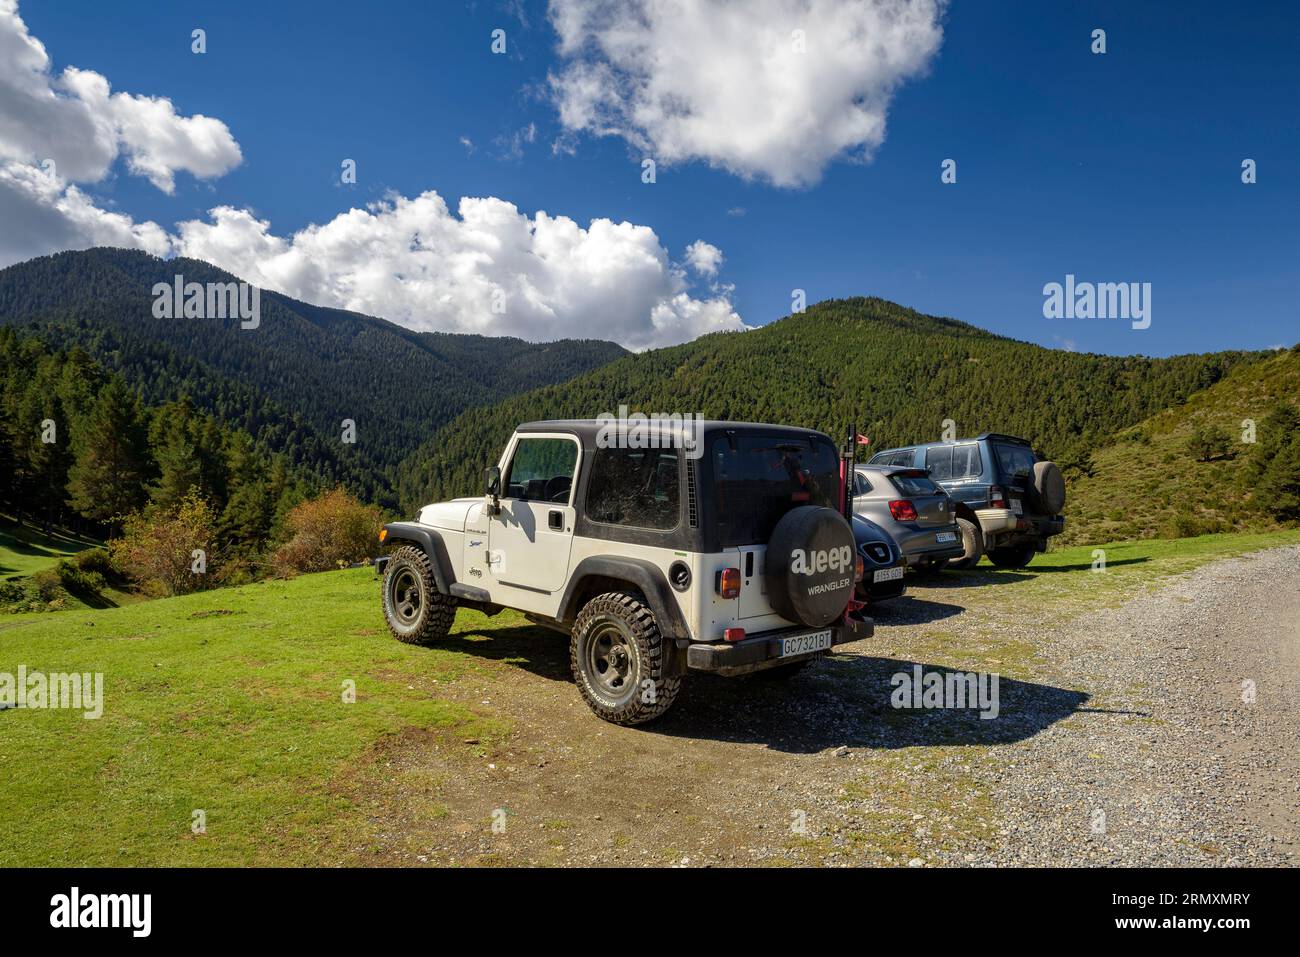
(887, 574)
(945, 537)
(804, 644)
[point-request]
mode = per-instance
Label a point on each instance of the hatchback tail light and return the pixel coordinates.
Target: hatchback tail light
(903, 511)
(729, 583)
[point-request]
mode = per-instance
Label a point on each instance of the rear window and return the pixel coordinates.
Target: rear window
(634, 487)
(1014, 460)
(758, 478)
(897, 457)
(915, 485)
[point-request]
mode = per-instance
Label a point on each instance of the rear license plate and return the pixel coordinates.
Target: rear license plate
(803, 644)
(1016, 507)
(887, 574)
(945, 537)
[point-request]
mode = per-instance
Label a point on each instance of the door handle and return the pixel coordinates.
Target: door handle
(555, 520)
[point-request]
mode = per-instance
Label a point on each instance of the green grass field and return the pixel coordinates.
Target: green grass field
(231, 701)
(25, 551)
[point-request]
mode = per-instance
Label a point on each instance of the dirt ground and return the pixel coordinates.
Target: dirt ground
(1123, 737)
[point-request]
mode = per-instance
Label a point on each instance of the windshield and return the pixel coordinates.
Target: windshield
(758, 478)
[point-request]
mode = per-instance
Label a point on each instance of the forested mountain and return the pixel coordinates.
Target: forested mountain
(895, 372)
(79, 449)
(1227, 459)
(292, 381)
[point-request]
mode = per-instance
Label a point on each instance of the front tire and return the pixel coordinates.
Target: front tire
(617, 656)
(416, 612)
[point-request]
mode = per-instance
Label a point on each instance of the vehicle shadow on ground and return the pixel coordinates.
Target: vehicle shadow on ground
(847, 700)
(839, 700)
(910, 610)
(1085, 566)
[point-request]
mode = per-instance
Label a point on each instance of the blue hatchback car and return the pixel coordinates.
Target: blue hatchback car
(1008, 500)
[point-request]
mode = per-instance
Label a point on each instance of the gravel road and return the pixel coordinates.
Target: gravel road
(1124, 737)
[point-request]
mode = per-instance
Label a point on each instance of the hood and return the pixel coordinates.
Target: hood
(449, 515)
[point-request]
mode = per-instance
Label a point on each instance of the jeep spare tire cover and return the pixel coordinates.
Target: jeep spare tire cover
(809, 565)
(1050, 486)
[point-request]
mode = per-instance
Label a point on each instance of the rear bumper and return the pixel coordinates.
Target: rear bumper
(760, 651)
(1002, 522)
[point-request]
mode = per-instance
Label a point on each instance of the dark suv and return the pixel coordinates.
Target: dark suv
(1008, 499)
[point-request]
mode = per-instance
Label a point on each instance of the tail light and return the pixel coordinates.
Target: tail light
(997, 499)
(903, 511)
(729, 583)
(733, 634)
(859, 569)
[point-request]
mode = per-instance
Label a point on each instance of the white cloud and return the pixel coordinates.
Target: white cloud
(409, 260)
(704, 258)
(75, 121)
(727, 82)
(414, 262)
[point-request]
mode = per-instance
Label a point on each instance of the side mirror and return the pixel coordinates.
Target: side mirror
(492, 488)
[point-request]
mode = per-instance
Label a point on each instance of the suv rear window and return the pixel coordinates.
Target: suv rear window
(1014, 460)
(634, 487)
(915, 484)
(758, 478)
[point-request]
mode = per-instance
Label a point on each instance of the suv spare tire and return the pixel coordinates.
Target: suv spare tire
(809, 566)
(1049, 484)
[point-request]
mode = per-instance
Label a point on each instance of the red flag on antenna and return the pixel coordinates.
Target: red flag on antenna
(863, 440)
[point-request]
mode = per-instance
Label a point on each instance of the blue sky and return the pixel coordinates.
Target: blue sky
(1117, 167)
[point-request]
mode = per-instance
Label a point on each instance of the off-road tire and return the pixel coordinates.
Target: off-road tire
(972, 539)
(1013, 556)
(1048, 488)
(621, 620)
(415, 611)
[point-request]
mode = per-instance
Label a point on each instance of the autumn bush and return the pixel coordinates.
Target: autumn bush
(159, 547)
(329, 531)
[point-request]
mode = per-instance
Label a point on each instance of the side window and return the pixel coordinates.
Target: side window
(939, 461)
(860, 484)
(541, 470)
(634, 487)
(966, 461)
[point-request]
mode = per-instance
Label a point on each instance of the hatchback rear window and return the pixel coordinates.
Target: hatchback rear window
(915, 484)
(758, 478)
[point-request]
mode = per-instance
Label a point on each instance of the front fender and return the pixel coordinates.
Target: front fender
(428, 539)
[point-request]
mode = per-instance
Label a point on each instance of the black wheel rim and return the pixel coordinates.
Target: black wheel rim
(404, 595)
(610, 661)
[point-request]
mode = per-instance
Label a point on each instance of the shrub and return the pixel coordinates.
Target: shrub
(157, 546)
(94, 560)
(1209, 443)
(329, 531)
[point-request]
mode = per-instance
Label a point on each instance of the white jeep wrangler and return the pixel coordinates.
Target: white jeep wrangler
(711, 546)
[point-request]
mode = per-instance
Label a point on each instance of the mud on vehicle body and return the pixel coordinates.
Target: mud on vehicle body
(717, 546)
(1008, 499)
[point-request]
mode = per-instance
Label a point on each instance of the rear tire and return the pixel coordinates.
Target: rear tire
(617, 656)
(416, 612)
(1012, 556)
(972, 540)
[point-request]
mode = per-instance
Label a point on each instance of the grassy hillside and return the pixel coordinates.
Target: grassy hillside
(897, 373)
(1146, 482)
(231, 702)
(291, 381)
(25, 551)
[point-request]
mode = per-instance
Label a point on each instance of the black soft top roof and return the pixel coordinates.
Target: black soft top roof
(588, 429)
